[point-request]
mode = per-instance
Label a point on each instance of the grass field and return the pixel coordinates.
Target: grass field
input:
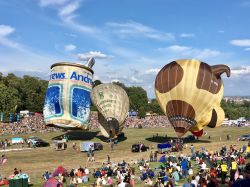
(36, 161)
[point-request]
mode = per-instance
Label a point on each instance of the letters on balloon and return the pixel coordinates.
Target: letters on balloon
(67, 100)
(112, 103)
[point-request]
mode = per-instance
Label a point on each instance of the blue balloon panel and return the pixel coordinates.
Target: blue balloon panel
(52, 105)
(80, 108)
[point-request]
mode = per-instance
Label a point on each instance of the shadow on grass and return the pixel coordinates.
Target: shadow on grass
(104, 139)
(164, 139)
(78, 135)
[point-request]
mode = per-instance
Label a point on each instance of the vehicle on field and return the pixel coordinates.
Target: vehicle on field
(245, 137)
(94, 146)
(189, 138)
(37, 142)
(164, 147)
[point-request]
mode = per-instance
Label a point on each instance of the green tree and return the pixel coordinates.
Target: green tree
(96, 83)
(138, 100)
(9, 99)
(33, 93)
(154, 107)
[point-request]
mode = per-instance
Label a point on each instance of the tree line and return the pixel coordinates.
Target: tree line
(28, 93)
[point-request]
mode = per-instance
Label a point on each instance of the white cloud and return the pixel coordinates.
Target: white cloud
(6, 30)
(176, 48)
(66, 12)
(241, 70)
(153, 71)
(95, 54)
(44, 3)
(135, 80)
(187, 35)
(189, 52)
(69, 9)
(135, 29)
(207, 53)
(241, 43)
(67, 16)
(69, 47)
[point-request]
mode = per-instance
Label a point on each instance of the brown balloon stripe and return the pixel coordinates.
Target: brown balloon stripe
(169, 77)
(213, 120)
(180, 108)
(207, 80)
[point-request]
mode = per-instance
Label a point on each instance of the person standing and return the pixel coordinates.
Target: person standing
(184, 166)
(92, 156)
(192, 150)
(108, 159)
(223, 172)
(233, 169)
(151, 157)
(155, 156)
(112, 144)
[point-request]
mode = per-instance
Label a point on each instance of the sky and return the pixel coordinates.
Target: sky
(130, 40)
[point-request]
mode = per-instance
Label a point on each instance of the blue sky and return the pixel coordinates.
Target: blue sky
(131, 40)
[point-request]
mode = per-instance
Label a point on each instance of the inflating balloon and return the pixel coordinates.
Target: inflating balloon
(67, 101)
(189, 92)
(112, 103)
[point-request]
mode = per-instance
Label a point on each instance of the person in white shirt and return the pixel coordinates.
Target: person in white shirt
(86, 171)
(203, 166)
(194, 182)
(197, 160)
(190, 171)
(122, 184)
(79, 180)
(99, 182)
(178, 168)
(197, 177)
(104, 181)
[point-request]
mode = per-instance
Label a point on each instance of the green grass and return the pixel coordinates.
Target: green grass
(36, 161)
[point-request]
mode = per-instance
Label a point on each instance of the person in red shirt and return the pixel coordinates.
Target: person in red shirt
(242, 160)
(213, 172)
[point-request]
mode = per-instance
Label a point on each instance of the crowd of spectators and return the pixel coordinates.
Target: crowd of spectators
(135, 122)
(27, 125)
(202, 168)
(147, 122)
(208, 169)
(35, 123)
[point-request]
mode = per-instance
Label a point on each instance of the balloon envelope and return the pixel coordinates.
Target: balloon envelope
(67, 101)
(113, 104)
(187, 90)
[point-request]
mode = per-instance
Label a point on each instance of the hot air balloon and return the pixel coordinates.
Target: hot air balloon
(112, 103)
(67, 100)
(189, 91)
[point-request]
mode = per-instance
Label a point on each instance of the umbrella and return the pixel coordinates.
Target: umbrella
(61, 170)
(52, 182)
